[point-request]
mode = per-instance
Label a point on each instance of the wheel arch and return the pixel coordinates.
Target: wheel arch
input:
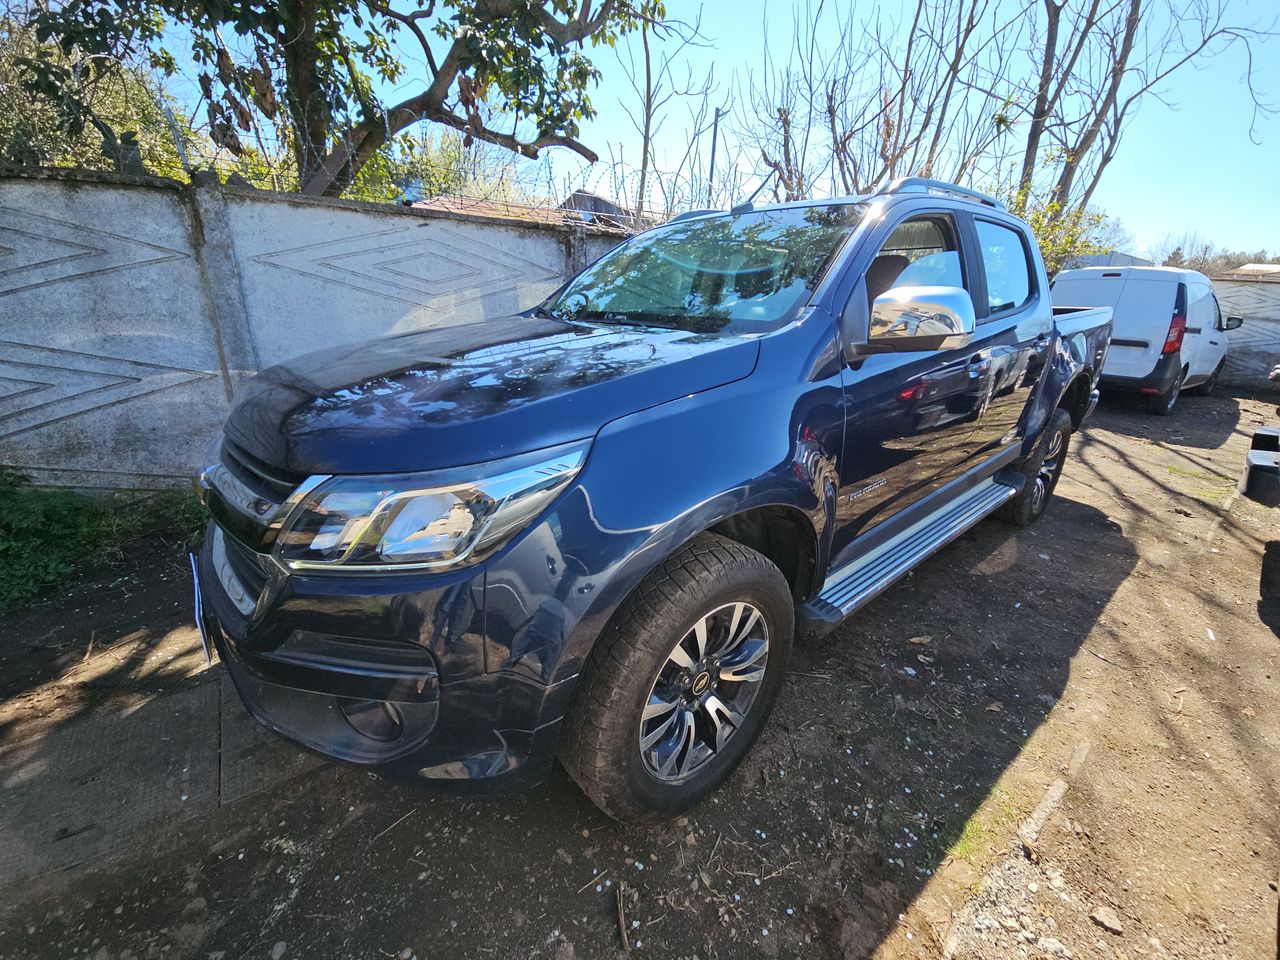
(1075, 399)
(782, 534)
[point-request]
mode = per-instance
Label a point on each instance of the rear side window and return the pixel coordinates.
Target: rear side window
(1008, 267)
(1200, 315)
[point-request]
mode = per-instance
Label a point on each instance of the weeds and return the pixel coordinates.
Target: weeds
(972, 839)
(47, 534)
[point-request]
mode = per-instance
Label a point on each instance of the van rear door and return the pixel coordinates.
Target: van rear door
(1143, 307)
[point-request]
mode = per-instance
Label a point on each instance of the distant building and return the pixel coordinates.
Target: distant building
(1264, 272)
(1251, 292)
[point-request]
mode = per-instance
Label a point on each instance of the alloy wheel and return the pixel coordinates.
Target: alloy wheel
(1049, 469)
(704, 691)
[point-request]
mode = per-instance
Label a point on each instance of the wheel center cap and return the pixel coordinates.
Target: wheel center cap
(700, 683)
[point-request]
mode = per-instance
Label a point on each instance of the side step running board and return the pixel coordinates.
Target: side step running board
(867, 576)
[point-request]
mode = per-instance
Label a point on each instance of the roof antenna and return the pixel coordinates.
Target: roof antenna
(745, 206)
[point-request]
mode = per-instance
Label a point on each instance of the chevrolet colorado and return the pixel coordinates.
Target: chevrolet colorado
(592, 530)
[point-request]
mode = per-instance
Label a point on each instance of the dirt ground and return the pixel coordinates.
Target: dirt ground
(1059, 741)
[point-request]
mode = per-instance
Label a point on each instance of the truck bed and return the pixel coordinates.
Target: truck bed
(1073, 320)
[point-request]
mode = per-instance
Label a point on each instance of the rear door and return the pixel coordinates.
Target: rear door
(1015, 323)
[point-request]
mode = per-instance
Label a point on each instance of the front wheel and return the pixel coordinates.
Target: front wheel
(681, 682)
(1042, 470)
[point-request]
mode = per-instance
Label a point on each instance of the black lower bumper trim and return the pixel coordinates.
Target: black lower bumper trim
(1161, 379)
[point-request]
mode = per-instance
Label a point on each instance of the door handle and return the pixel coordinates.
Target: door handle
(1042, 341)
(978, 366)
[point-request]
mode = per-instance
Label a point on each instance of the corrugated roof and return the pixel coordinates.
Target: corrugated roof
(508, 210)
(1266, 272)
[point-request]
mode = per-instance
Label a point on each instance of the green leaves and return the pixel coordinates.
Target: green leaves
(47, 534)
(1063, 234)
(308, 70)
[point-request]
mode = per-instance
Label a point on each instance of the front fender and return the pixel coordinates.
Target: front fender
(653, 481)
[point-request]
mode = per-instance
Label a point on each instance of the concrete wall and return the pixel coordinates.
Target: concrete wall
(1254, 347)
(131, 307)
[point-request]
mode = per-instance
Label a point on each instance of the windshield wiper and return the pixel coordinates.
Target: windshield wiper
(647, 320)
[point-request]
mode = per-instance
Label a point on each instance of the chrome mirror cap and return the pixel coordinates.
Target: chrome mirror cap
(921, 318)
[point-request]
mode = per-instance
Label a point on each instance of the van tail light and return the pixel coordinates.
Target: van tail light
(1178, 324)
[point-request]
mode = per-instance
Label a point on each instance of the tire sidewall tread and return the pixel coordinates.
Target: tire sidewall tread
(599, 747)
(1019, 511)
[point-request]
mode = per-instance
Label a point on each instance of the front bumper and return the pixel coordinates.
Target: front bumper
(385, 672)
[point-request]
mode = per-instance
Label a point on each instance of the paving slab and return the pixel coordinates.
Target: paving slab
(253, 758)
(92, 788)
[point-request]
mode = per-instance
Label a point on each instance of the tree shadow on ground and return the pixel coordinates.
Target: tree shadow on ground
(890, 736)
(1188, 425)
(120, 611)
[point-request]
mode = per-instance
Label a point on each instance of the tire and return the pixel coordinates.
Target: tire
(1162, 404)
(1042, 470)
(635, 669)
(1206, 388)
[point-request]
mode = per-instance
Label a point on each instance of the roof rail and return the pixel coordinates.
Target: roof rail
(690, 214)
(925, 185)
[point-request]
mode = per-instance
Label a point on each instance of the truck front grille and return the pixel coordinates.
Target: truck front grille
(270, 483)
(247, 497)
(241, 572)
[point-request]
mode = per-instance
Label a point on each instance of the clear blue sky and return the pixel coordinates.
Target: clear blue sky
(1185, 165)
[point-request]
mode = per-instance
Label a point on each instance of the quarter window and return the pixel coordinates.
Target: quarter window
(1008, 267)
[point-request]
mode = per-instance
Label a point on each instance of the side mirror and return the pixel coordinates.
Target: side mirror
(919, 318)
(1233, 323)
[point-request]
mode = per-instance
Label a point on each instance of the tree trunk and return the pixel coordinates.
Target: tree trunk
(307, 103)
(1062, 192)
(1040, 113)
(646, 144)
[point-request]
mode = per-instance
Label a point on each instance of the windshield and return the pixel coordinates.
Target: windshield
(737, 274)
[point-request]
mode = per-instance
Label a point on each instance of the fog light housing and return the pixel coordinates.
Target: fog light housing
(375, 719)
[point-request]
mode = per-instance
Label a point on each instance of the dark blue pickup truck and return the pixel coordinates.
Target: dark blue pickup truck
(592, 530)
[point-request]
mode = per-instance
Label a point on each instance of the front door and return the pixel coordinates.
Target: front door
(909, 417)
(1216, 348)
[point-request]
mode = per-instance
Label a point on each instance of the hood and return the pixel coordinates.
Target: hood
(452, 396)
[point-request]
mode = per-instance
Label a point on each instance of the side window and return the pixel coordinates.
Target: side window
(920, 252)
(1217, 314)
(1200, 311)
(1008, 267)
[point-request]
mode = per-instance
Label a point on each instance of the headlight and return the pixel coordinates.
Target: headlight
(422, 521)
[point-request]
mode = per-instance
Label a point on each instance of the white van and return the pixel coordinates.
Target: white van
(1169, 333)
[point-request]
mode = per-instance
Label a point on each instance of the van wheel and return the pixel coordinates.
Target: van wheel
(1042, 470)
(1206, 388)
(681, 682)
(1162, 403)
